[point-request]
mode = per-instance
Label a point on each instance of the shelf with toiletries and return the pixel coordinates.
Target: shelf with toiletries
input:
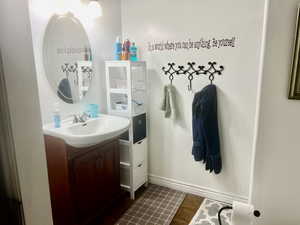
(118, 102)
(126, 87)
(126, 50)
(126, 83)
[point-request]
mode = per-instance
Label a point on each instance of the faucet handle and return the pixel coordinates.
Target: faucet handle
(84, 117)
(75, 118)
(87, 115)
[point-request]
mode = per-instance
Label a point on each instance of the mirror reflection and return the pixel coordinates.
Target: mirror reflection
(68, 58)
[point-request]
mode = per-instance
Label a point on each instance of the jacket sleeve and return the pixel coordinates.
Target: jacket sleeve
(199, 146)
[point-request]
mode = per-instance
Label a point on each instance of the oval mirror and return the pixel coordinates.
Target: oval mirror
(67, 58)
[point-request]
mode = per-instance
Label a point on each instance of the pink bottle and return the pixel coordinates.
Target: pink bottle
(127, 45)
(126, 50)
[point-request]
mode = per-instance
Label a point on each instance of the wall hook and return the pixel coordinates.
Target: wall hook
(191, 71)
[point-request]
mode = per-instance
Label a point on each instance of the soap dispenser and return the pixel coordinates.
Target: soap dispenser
(56, 116)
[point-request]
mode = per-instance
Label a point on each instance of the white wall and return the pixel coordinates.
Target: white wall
(102, 34)
(19, 71)
(171, 142)
(276, 174)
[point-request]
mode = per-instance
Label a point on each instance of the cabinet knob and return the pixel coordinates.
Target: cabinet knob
(140, 165)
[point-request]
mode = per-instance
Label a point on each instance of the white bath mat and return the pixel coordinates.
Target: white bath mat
(207, 214)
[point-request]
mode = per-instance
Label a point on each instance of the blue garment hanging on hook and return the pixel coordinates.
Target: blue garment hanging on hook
(206, 146)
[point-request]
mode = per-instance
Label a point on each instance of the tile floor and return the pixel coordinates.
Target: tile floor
(184, 215)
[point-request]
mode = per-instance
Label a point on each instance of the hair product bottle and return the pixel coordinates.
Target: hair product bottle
(125, 51)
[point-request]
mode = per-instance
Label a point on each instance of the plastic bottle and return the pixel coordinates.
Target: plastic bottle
(124, 52)
(118, 49)
(133, 53)
(56, 116)
(127, 45)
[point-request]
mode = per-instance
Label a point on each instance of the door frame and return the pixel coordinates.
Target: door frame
(12, 198)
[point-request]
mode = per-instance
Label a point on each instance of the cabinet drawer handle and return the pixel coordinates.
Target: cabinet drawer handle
(140, 165)
(140, 142)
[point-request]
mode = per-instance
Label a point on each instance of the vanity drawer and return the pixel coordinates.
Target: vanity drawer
(139, 175)
(139, 152)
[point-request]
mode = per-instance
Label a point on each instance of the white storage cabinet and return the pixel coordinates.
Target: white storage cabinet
(126, 84)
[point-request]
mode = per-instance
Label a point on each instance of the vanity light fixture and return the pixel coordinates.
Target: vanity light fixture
(94, 9)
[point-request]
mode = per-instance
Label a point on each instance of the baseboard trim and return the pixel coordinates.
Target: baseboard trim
(196, 190)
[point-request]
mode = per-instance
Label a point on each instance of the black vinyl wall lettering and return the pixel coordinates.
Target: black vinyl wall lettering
(190, 44)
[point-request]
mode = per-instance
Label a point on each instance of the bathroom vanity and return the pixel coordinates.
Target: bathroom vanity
(83, 156)
(84, 182)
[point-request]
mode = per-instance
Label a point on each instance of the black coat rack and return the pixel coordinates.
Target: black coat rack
(192, 70)
(68, 68)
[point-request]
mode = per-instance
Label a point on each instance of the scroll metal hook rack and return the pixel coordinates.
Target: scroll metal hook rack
(88, 70)
(69, 68)
(73, 69)
(191, 71)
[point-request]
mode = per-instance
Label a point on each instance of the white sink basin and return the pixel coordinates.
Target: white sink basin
(91, 132)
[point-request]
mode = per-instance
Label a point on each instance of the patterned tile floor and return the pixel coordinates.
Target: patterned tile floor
(184, 215)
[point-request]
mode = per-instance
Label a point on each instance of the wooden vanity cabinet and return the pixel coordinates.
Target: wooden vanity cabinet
(83, 182)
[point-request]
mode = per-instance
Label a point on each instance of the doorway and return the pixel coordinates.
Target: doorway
(11, 210)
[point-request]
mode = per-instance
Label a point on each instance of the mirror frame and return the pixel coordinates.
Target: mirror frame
(55, 90)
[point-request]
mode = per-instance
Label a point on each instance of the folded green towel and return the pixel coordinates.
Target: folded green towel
(168, 103)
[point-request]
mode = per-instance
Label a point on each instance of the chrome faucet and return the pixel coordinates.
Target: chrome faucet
(81, 118)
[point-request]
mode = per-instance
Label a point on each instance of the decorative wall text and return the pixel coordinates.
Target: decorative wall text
(192, 44)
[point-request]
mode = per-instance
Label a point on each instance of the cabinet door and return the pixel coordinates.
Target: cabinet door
(87, 173)
(95, 180)
(111, 171)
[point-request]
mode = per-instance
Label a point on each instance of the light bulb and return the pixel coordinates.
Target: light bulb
(61, 7)
(94, 9)
(76, 6)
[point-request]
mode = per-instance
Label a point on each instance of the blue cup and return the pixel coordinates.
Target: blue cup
(93, 110)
